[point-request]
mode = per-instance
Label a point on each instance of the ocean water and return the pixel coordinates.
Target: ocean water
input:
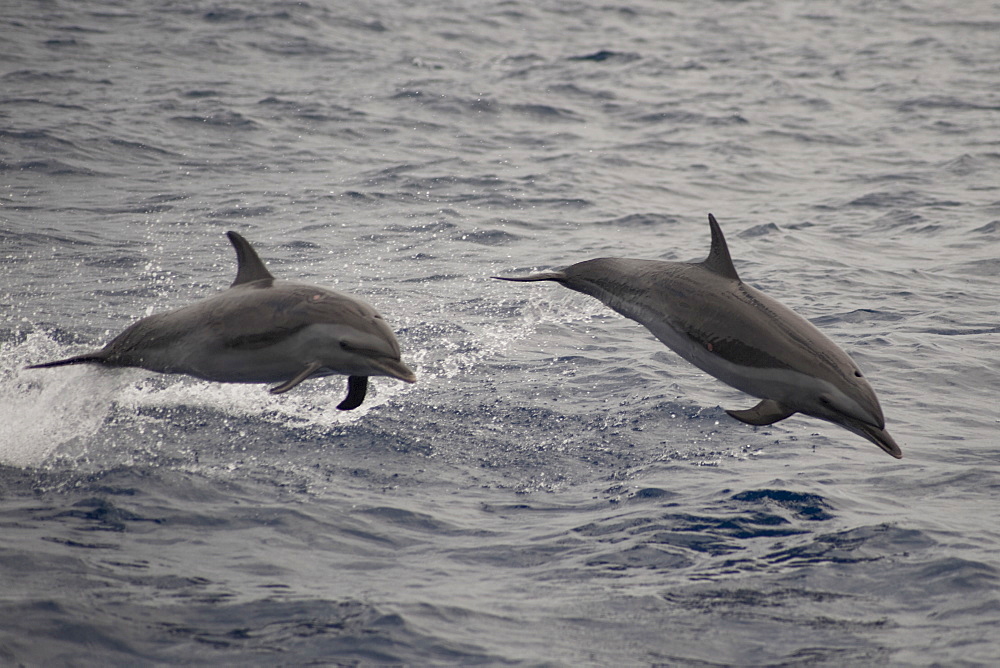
(558, 489)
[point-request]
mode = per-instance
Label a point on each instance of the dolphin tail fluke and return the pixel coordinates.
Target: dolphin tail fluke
(766, 412)
(544, 276)
(357, 388)
(89, 358)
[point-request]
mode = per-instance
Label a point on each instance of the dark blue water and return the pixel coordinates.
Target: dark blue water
(558, 488)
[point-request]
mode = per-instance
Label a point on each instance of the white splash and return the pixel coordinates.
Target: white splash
(40, 410)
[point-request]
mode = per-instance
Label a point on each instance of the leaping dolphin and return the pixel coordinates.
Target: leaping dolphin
(261, 330)
(707, 315)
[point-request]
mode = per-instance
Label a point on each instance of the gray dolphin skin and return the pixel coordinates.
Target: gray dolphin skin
(261, 330)
(707, 315)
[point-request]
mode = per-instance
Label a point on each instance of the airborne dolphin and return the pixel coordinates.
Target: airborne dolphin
(261, 330)
(708, 316)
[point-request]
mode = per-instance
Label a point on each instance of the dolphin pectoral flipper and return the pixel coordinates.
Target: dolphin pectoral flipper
(357, 388)
(768, 411)
(302, 375)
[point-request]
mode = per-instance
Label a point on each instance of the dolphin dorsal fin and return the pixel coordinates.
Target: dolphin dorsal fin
(718, 259)
(248, 264)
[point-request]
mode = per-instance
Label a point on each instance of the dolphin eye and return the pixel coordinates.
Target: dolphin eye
(857, 374)
(343, 344)
(825, 400)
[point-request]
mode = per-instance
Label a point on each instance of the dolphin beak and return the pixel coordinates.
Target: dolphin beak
(874, 433)
(394, 368)
(879, 437)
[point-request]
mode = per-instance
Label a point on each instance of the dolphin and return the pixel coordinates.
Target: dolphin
(261, 330)
(707, 315)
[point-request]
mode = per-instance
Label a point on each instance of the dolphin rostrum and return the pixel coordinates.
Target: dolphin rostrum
(261, 330)
(708, 316)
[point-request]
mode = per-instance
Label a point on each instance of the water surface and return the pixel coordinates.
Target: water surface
(558, 488)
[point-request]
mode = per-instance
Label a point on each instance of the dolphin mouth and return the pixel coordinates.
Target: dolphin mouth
(876, 435)
(394, 368)
(389, 366)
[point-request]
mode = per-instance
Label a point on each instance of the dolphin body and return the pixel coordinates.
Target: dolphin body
(707, 315)
(261, 330)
